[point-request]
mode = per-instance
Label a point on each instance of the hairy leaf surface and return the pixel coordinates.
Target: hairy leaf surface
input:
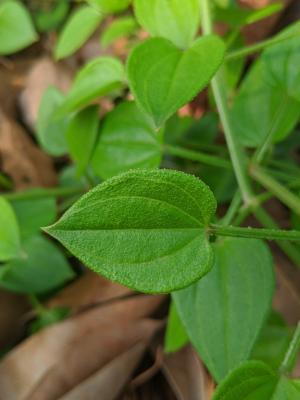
(225, 311)
(143, 229)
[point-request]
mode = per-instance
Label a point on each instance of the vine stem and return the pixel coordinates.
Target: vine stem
(291, 354)
(237, 155)
(254, 233)
(246, 51)
(43, 193)
(198, 156)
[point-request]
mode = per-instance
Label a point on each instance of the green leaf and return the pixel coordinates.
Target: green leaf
(99, 77)
(110, 6)
(82, 135)
(80, 26)
(225, 311)
(48, 20)
(127, 140)
(16, 28)
(175, 20)
(261, 107)
(119, 28)
(164, 78)
(32, 214)
(41, 268)
(273, 342)
(176, 336)
(143, 229)
(48, 318)
(9, 232)
(51, 132)
(254, 380)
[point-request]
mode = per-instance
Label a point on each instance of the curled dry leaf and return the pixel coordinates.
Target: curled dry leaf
(44, 73)
(57, 359)
(21, 159)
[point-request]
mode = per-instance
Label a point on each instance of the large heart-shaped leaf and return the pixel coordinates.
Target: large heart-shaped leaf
(144, 229)
(254, 380)
(164, 78)
(16, 28)
(127, 140)
(175, 20)
(224, 312)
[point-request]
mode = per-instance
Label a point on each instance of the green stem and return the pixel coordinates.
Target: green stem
(43, 193)
(233, 209)
(236, 151)
(246, 51)
(289, 249)
(198, 156)
(288, 198)
(36, 304)
(292, 352)
(254, 233)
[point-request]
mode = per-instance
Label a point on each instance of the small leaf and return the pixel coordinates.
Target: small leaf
(9, 232)
(16, 28)
(127, 140)
(77, 30)
(164, 78)
(50, 20)
(119, 28)
(34, 213)
(176, 336)
(41, 268)
(143, 229)
(82, 135)
(225, 311)
(110, 6)
(254, 380)
(97, 78)
(175, 20)
(51, 132)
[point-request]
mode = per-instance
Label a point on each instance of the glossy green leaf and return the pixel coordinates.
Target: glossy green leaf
(16, 28)
(261, 107)
(41, 267)
(254, 380)
(175, 20)
(176, 336)
(110, 6)
(9, 232)
(51, 132)
(143, 229)
(273, 341)
(81, 25)
(119, 28)
(225, 311)
(82, 135)
(164, 78)
(127, 140)
(99, 77)
(32, 214)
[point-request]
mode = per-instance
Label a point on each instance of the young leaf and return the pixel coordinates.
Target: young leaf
(9, 232)
(82, 135)
(143, 229)
(97, 78)
(117, 29)
(32, 214)
(254, 380)
(77, 30)
(175, 20)
(16, 28)
(110, 6)
(51, 132)
(127, 140)
(224, 312)
(176, 336)
(49, 20)
(41, 268)
(164, 78)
